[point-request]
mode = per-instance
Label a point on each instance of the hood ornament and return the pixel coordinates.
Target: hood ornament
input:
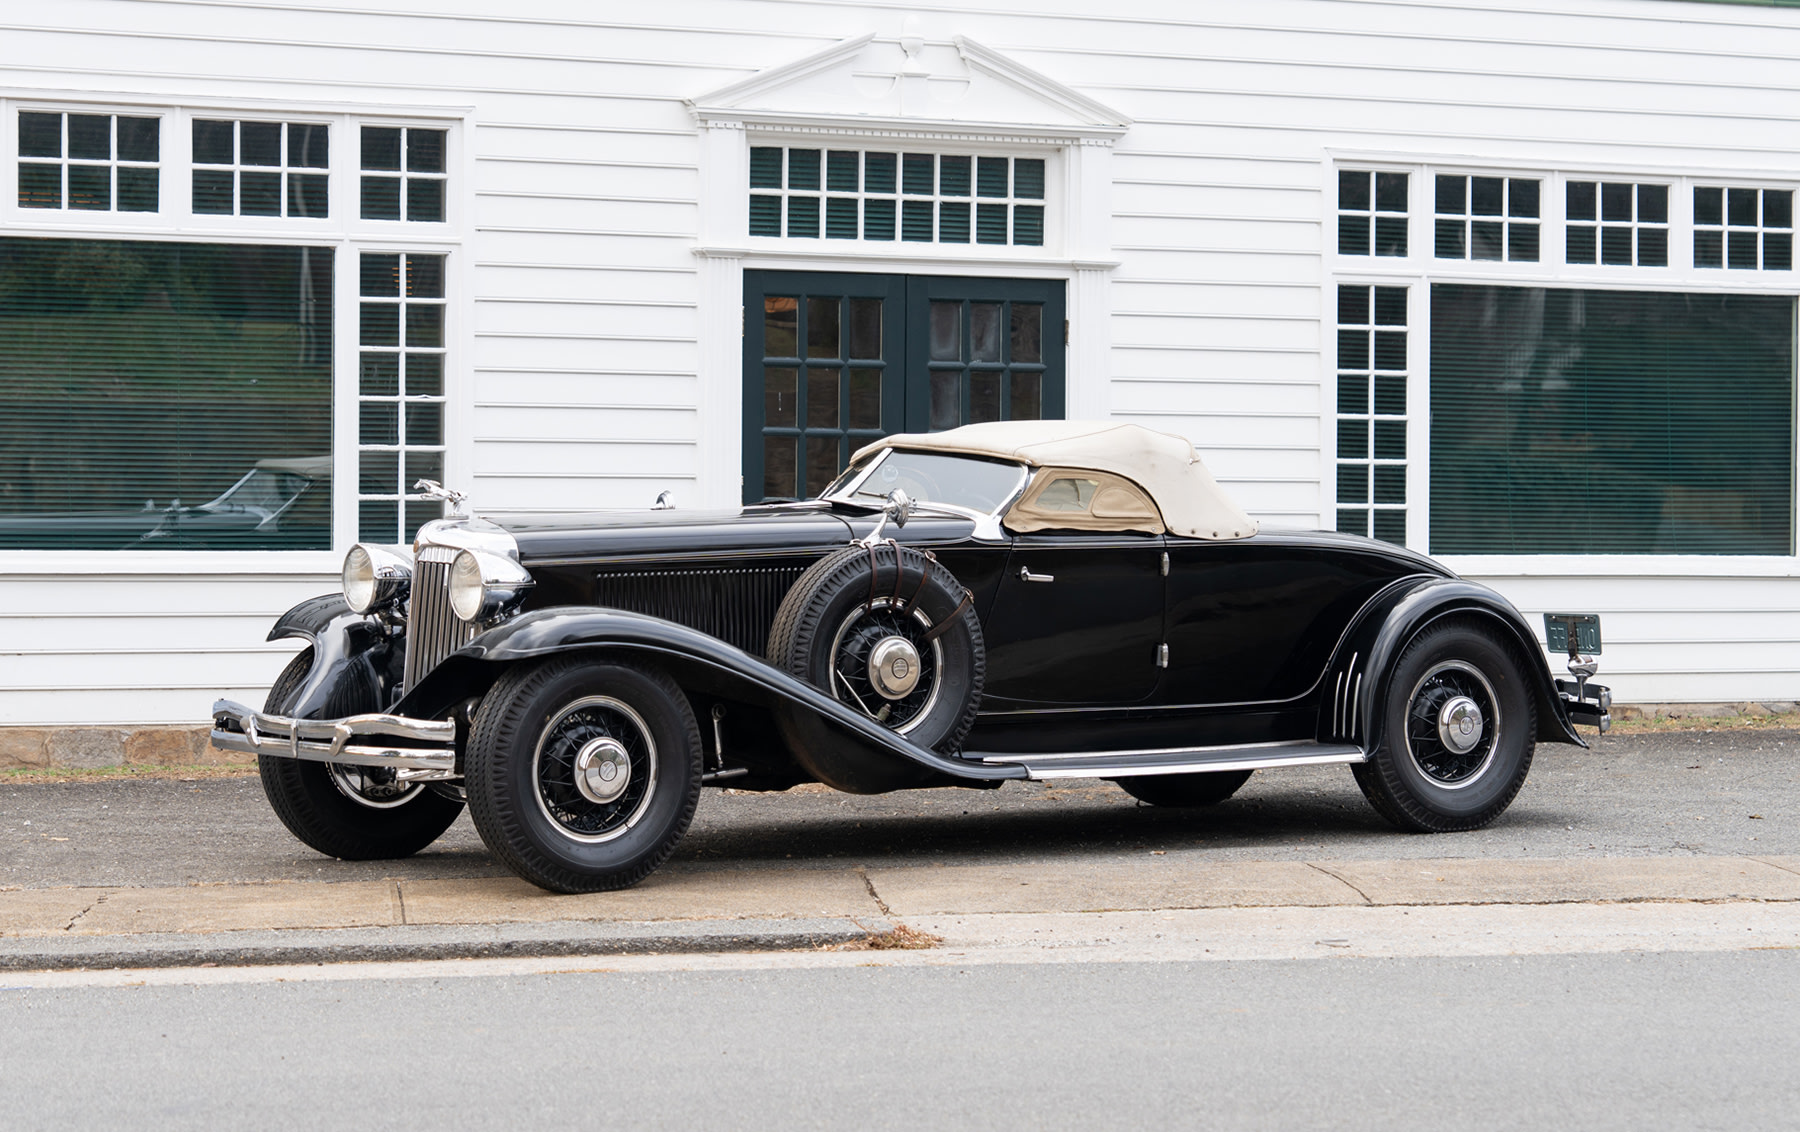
(454, 498)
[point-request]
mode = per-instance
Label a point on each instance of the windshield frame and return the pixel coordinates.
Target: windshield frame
(848, 491)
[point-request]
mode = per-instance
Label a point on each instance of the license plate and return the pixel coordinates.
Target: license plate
(1585, 626)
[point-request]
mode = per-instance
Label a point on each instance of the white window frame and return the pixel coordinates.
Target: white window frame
(1420, 269)
(343, 231)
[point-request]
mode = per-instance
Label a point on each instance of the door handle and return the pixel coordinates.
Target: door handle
(1025, 575)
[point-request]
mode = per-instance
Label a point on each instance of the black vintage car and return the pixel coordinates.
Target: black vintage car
(1004, 601)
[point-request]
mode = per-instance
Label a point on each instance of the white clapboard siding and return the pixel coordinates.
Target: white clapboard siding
(582, 205)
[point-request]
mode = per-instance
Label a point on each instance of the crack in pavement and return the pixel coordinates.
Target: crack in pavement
(873, 895)
(1343, 880)
(1775, 865)
(99, 900)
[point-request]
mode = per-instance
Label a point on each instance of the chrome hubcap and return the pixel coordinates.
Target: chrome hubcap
(1459, 724)
(603, 770)
(1453, 724)
(378, 788)
(894, 668)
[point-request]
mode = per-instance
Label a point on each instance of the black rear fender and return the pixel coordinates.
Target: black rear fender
(352, 662)
(707, 669)
(1357, 682)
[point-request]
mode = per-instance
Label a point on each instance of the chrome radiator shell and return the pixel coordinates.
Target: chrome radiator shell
(433, 630)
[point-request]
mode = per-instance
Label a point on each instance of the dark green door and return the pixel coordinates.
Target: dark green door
(835, 360)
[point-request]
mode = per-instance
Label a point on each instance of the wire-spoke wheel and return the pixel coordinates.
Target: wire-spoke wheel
(885, 661)
(353, 813)
(1459, 731)
(583, 774)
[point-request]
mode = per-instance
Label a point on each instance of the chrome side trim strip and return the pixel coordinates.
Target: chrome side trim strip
(1177, 760)
(239, 728)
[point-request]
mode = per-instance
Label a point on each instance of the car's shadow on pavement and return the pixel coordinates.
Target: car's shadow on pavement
(1276, 818)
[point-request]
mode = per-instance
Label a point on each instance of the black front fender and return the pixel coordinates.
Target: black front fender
(698, 662)
(350, 652)
(1367, 655)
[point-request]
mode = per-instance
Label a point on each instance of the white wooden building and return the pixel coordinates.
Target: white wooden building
(1510, 282)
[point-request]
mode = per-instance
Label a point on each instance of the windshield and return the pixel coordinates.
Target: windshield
(930, 477)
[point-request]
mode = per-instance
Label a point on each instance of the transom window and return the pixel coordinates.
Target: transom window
(847, 194)
(401, 393)
(403, 174)
(1487, 218)
(1372, 212)
(261, 168)
(89, 162)
(1617, 224)
(1744, 228)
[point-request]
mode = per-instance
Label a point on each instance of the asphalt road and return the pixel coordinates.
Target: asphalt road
(1623, 1041)
(1633, 795)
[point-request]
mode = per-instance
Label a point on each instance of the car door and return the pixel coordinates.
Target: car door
(1255, 620)
(1077, 620)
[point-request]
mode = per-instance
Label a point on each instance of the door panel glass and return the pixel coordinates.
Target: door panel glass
(984, 397)
(781, 398)
(781, 316)
(944, 407)
(780, 470)
(946, 332)
(865, 328)
(984, 332)
(822, 400)
(1027, 332)
(822, 327)
(865, 398)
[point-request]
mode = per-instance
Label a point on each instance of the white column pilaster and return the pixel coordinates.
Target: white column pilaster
(724, 176)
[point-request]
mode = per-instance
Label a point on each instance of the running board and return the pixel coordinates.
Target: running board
(1174, 760)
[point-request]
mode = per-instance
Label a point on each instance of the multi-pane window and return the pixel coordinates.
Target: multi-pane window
(89, 162)
(401, 393)
(822, 370)
(987, 362)
(1617, 223)
(1371, 411)
(1371, 213)
(847, 194)
(261, 168)
(1744, 228)
(1487, 218)
(403, 173)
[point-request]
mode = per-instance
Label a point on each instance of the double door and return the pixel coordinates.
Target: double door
(834, 360)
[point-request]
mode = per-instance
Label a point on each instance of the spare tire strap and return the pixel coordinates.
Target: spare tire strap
(937, 630)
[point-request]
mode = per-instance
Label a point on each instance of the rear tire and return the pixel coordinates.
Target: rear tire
(1459, 730)
(583, 774)
(1205, 789)
(347, 812)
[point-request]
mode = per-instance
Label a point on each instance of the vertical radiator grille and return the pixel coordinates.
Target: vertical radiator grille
(736, 604)
(433, 631)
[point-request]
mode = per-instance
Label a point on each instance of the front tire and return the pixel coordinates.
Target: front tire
(351, 813)
(1459, 732)
(583, 774)
(1205, 789)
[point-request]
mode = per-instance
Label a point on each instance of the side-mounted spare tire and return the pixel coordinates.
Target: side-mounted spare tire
(888, 631)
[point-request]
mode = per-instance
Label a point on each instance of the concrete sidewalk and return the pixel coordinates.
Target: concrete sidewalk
(698, 908)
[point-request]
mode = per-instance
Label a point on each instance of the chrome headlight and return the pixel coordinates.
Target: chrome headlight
(375, 577)
(483, 584)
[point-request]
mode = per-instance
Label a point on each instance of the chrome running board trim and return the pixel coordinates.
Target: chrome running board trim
(1175, 760)
(239, 728)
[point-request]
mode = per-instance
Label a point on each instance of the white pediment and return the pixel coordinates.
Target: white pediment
(909, 83)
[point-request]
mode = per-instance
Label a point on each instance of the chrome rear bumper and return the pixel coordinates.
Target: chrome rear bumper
(1587, 703)
(419, 749)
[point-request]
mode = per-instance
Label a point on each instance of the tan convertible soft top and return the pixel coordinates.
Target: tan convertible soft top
(1164, 465)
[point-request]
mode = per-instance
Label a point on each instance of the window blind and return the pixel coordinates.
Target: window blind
(164, 395)
(1611, 422)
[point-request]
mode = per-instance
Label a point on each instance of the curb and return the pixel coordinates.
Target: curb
(426, 942)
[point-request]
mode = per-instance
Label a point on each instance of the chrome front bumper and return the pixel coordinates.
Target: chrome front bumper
(418, 749)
